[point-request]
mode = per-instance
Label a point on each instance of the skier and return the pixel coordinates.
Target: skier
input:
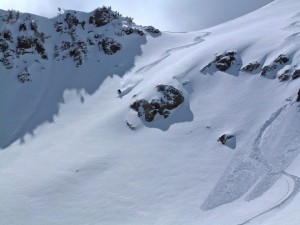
(119, 91)
(298, 99)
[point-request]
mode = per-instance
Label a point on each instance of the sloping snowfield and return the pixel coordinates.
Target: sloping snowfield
(69, 156)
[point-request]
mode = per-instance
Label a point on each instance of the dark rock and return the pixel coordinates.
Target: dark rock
(130, 30)
(82, 24)
(229, 140)
(170, 99)
(110, 46)
(65, 45)
(281, 59)
(284, 76)
(266, 69)
(41, 50)
(90, 41)
(152, 29)
(91, 20)
(71, 20)
(33, 26)
(26, 42)
(74, 53)
(3, 45)
(251, 67)
(59, 29)
(276, 65)
(223, 62)
(139, 32)
(7, 35)
(296, 74)
(103, 16)
(58, 26)
(24, 76)
(22, 27)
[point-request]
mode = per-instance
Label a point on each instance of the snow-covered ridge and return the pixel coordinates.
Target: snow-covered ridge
(197, 128)
(32, 46)
(68, 35)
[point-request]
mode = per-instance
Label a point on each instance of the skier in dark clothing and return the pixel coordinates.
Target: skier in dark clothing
(298, 99)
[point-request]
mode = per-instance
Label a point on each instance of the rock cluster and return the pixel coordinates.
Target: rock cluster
(251, 67)
(275, 65)
(223, 62)
(170, 99)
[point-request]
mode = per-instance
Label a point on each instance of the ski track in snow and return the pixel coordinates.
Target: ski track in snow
(261, 171)
(284, 202)
(256, 154)
(257, 149)
(167, 54)
(253, 167)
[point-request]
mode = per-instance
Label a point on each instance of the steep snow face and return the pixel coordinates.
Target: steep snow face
(107, 122)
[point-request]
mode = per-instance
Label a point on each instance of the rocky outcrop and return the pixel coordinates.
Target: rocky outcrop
(7, 35)
(24, 76)
(103, 16)
(223, 138)
(222, 62)
(281, 59)
(170, 99)
(71, 20)
(228, 139)
(152, 29)
(251, 67)
(109, 46)
(129, 30)
(75, 36)
(277, 64)
(24, 43)
(296, 74)
(284, 76)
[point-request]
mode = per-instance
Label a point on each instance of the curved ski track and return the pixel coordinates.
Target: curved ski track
(167, 53)
(296, 180)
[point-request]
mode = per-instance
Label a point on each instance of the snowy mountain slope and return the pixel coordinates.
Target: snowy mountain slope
(76, 152)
